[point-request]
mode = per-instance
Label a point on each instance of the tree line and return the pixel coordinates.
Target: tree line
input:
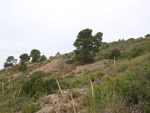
(86, 46)
(35, 56)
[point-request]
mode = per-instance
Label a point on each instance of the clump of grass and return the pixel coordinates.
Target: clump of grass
(105, 98)
(132, 85)
(31, 108)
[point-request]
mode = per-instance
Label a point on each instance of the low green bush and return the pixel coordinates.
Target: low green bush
(35, 86)
(136, 86)
(114, 53)
(51, 85)
(37, 75)
(70, 61)
(22, 66)
(136, 52)
(31, 108)
(133, 85)
(105, 97)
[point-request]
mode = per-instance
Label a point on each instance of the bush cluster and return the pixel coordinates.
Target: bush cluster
(36, 86)
(133, 85)
(136, 52)
(22, 66)
(114, 53)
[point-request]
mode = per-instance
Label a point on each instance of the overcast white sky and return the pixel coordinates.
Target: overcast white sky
(53, 25)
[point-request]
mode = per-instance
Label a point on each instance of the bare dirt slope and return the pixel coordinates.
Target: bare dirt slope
(97, 65)
(53, 65)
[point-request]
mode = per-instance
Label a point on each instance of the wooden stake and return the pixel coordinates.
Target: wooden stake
(10, 87)
(2, 87)
(19, 92)
(74, 109)
(92, 93)
(56, 111)
(61, 92)
(9, 84)
(15, 94)
(60, 88)
(92, 89)
(114, 62)
(114, 85)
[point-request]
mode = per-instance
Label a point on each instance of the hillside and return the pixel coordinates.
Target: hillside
(99, 87)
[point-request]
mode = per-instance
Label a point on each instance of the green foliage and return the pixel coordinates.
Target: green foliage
(7, 64)
(147, 70)
(43, 57)
(35, 54)
(24, 57)
(147, 36)
(22, 66)
(58, 54)
(133, 85)
(51, 85)
(114, 53)
(136, 86)
(98, 40)
(105, 98)
(131, 39)
(84, 56)
(87, 45)
(128, 82)
(35, 86)
(100, 74)
(136, 52)
(31, 108)
(37, 75)
(70, 61)
(10, 61)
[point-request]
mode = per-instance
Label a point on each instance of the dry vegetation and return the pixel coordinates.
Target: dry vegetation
(123, 88)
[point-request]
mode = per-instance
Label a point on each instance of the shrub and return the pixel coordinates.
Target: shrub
(35, 86)
(105, 97)
(43, 57)
(22, 66)
(100, 74)
(114, 53)
(51, 85)
(147, 36)
(131, 39)
(137, 86)
(133, 85)
(136, 52)
(147, 70)
(70, 61)
(37, 75)
(31, 108)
